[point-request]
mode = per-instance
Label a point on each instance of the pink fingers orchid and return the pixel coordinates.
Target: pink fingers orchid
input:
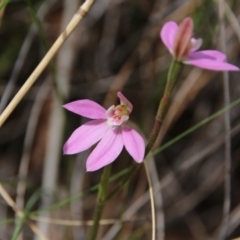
(109, 128)
(179, 41)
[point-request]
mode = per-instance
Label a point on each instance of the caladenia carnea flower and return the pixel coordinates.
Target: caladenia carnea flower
(109, 127)
(183, 47)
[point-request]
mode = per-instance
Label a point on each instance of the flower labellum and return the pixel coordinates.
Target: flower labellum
(179, 41)
(109, 128)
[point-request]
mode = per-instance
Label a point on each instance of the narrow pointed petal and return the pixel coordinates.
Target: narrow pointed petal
(125, 101)
(212, 65)
(106, 151)
(134, 143)
(168, 34)
(207, 54)
(85, 136)
(86, 108)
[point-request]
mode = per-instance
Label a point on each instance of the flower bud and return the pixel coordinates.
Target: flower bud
(182, 42)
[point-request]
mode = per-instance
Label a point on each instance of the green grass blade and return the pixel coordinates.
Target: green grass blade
(4, 3)
(7, 221)
(195, 127)
(78, 196)
(26, 211)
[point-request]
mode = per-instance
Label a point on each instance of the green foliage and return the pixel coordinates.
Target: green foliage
(4, 3)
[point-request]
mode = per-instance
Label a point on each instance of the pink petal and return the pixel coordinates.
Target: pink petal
(134, 143)
(168, 34)
(106, 151)
(86, 108)
(207, 54)
(85, 136)
(212, 65)
(124, 101)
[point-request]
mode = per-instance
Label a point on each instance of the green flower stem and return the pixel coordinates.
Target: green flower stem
(164, 104)
(102, 197)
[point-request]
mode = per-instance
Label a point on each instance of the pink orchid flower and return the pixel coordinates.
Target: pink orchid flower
(179, 41)
(109, 126)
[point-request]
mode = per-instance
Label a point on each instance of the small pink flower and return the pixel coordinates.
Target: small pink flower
(109, 126)
(179, 41)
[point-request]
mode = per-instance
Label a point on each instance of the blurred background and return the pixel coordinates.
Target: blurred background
(116, 48)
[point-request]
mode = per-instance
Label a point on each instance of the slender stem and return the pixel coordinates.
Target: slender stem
(164, 104)
(102, 197)
(82, 11)
(151, 196)
(223, 233)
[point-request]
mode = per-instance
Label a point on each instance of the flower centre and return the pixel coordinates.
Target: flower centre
(116, 116)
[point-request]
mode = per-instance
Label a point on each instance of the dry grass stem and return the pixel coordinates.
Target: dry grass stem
(28, 142)
(56, 123)
(227, 126)
(206, 151)
(158, 197)
(151, 196)
(22, 56)
(47, 58)
(12, 204)
(232, 20)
